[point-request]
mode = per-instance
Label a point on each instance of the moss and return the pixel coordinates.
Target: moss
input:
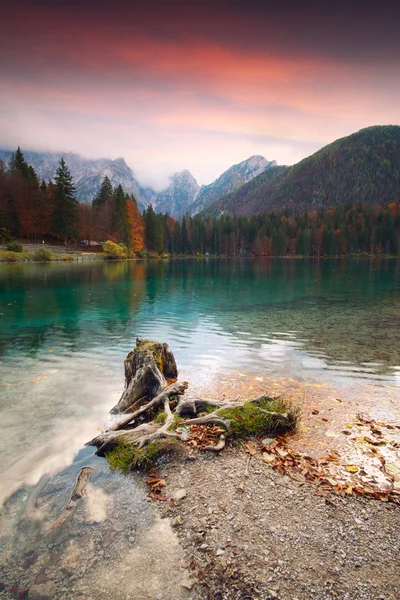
(207, 409)
(177, 420)
(155, 348)
(126, 457)
(160, 418)
(251, 420)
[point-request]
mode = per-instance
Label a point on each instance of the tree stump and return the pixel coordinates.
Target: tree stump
(147, 370)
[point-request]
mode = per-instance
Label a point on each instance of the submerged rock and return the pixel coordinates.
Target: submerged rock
(43, 591)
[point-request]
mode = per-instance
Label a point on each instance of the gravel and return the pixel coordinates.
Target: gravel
(277, 539)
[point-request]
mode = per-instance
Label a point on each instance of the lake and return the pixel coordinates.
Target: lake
(319, 331)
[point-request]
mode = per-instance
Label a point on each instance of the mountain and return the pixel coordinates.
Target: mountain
(363, 167)
(87, 173)
(183, 195)
(230, 181)
(178, 198)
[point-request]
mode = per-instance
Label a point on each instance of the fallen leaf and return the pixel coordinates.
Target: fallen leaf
(392, 469)
(251, 448)
(268, 458)
(40, 378)
(352, 468)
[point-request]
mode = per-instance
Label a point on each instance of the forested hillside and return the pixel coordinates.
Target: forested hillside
(363, 167)
(30, 209)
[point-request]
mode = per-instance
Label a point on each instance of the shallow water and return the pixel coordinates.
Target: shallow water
(332, 326)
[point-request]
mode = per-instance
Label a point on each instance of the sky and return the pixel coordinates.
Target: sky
(195, 85)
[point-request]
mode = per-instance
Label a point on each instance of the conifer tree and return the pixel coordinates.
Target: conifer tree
(18, 163)
(105, 193)
(119, 219)
(149, 218)
(65, 205)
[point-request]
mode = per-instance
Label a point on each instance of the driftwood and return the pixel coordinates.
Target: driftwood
(143, 433)
(147, 369)
(77, 493)
(215, 419)
(151, 402)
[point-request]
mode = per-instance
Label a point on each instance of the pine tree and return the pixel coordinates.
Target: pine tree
(150, 228)
(65, 205)
(105, 193)
(18, 163)
(119, 218)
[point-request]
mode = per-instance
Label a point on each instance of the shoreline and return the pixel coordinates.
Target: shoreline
(8, 257)
(278, 538)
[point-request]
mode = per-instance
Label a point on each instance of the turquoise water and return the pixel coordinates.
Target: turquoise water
(65, 330)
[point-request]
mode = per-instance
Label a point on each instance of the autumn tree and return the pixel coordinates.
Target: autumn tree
(136, 225)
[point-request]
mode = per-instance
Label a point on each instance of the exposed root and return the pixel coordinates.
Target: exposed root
(229, 405)
(218, 447)
(163, 431)
(212, 418)
(176, 389)
(159, 408)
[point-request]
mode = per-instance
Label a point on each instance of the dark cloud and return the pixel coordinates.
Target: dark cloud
(347, 31)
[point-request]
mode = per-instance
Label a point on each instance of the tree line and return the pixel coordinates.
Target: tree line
(31, 209)
(342, 230)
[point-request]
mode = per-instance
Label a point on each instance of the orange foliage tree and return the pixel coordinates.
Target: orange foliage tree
(136, 225)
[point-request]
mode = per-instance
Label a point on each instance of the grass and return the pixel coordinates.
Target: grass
(251, 420)
(39, 255)
(11, 257)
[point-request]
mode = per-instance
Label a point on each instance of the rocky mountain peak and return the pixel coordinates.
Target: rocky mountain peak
(231, 180)
(179, 195)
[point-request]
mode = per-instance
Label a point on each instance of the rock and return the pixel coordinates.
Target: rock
(188, 583)
(204, 547)
(179, 494)
(23, 593)
(44, 591)
(108, 538)
(118, 526)
(176, 521)
(40, 578)
(220, 552)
